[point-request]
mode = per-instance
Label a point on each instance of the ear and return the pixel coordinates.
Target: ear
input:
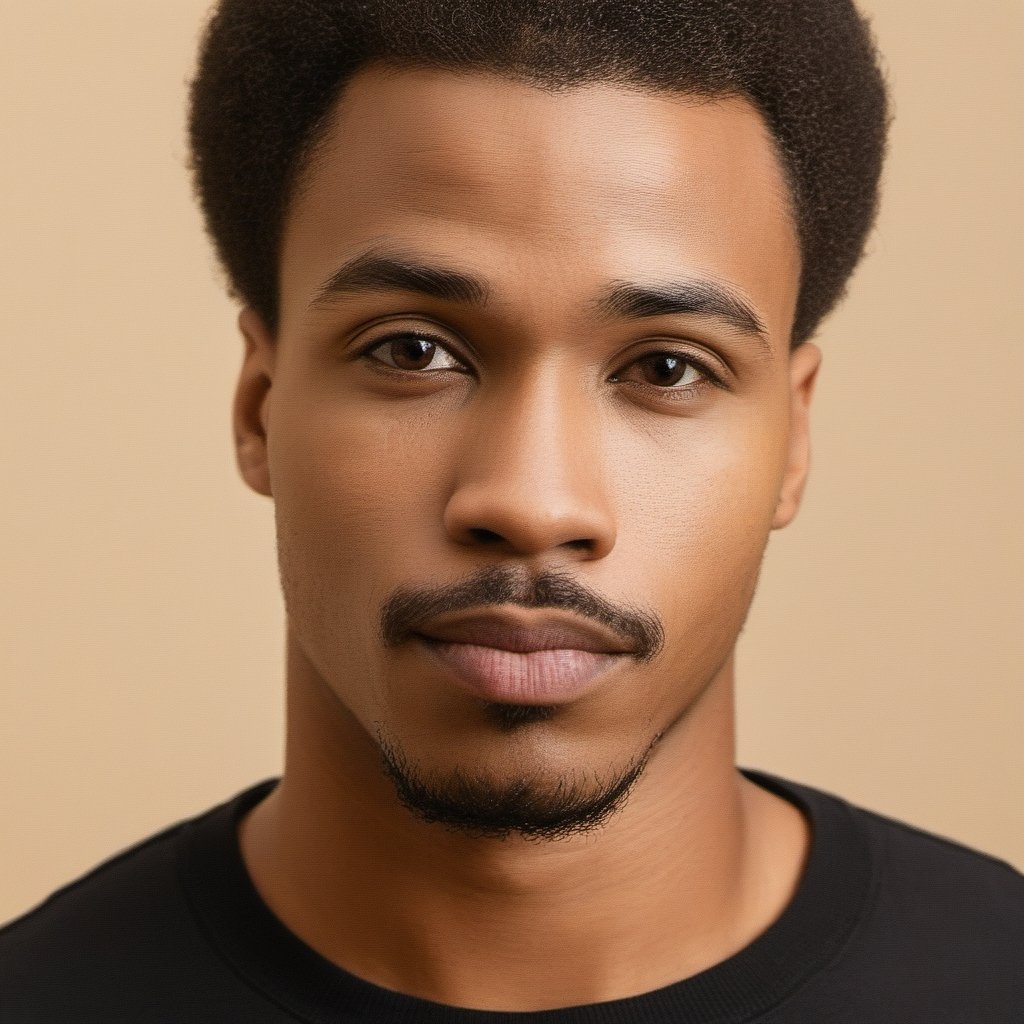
(804, 361)
(251, 411)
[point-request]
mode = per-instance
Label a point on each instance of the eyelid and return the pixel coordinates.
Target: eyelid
(705, 365)
(364, 351)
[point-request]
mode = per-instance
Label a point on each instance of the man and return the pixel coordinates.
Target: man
(527, 297)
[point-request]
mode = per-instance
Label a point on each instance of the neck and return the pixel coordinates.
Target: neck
(694, 866)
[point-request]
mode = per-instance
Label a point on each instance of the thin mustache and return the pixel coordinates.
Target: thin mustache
(410, 607)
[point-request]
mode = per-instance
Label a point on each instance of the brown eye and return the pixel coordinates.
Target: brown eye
(670, 370)
(410, 351)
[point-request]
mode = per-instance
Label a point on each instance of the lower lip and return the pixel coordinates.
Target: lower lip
(510, 677)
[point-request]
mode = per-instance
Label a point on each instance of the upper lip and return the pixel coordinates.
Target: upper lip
(523, 632)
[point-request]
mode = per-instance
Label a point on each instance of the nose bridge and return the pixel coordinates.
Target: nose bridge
(531, 471)
(542, 420)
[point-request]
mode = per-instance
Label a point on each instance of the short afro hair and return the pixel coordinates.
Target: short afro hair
(270, 72)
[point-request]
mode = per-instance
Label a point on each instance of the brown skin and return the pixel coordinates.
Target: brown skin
(536, 458)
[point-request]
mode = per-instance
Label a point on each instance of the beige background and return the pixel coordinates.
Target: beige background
(141, 647)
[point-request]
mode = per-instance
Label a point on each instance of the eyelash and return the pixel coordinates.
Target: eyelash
(711, 377)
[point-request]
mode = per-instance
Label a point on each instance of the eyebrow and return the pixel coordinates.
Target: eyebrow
(377, 270)
(694, 296)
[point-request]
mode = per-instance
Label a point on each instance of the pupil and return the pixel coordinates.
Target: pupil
(671, 365)
(416, 350)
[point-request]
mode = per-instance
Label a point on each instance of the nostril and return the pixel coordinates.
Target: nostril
(485, 536)
(579, 545)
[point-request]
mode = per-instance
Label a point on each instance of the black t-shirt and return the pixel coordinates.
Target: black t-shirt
(889, 925)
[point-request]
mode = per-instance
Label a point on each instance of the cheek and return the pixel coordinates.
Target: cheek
(706, 490)
(352, 492)
(351, 483)
(705, 530)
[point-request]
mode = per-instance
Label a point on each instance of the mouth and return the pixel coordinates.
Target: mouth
(523, 656)
(521, 632)
(552, 675)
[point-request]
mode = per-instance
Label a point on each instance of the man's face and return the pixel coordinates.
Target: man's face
(431, 452)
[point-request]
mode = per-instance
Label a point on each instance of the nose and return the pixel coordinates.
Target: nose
(531, 476)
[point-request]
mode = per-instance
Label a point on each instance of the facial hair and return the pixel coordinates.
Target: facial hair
(531, 806)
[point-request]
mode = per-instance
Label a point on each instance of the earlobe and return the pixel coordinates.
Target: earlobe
(251, 412)
(804, 362)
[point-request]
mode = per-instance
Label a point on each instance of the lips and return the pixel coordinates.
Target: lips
(523, 659)
(525, 633)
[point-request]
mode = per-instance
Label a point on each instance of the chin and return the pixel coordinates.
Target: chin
(525, 778)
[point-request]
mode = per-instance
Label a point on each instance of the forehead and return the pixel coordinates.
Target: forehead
(546, 193)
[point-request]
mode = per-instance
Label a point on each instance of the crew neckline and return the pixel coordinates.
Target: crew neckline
(832, 895)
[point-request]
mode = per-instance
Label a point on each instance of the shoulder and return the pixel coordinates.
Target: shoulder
(943, 928)
(931, 929)
(103, 924)
(101, 947)
(127, 880)
(956, 889)
(926, 882)
(919, 861)
(911, 868)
